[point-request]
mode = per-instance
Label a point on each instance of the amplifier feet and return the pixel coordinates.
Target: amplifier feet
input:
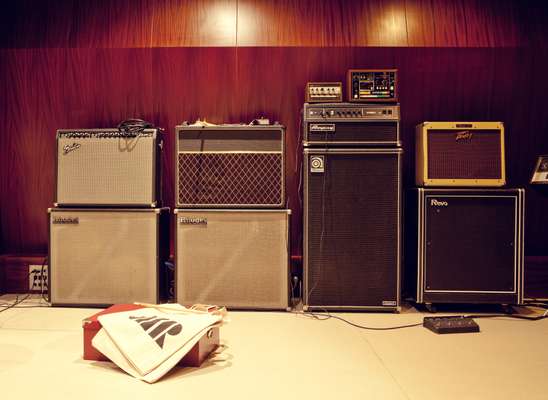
(430, 307)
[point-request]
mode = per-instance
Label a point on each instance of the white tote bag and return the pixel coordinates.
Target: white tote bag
(148, 342)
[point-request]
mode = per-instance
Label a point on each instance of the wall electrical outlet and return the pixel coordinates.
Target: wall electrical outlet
(38, 278)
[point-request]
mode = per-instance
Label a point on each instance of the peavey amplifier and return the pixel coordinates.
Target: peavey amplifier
(345, 124)
(99, 257)
(460, 154)
(104, 167)
(229, 166)
(352, 228)
(465, 245)
(234, 258)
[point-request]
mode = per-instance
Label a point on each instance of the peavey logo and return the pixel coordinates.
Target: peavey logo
(434, 202)
(157, 328)
(193, 221)
(66, 220)
(463, 135)
(71, 147)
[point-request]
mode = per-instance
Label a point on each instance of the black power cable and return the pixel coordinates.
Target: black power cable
(133, 126)
(327, 315)
(18, 301)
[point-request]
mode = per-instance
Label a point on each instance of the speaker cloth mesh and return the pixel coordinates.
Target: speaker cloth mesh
(240, 179)
(237, 259)
(100, 170)
(353, 231)
(470, 243)
(359, 132)
(464, 154)
(107, 257)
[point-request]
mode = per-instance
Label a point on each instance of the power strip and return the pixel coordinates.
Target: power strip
(38, 278)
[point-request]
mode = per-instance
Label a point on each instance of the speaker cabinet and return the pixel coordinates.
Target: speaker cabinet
(234, 258)
(99, 257)
(103, 167)
(460, 154)
(465, 246)
(352, 228)
(230, 166)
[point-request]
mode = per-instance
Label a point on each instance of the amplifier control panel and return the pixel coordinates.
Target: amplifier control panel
(345, 111)
(369, 85)
(323, 92)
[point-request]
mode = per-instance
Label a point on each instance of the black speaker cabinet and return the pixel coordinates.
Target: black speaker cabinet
(352, 228)
(465, 246)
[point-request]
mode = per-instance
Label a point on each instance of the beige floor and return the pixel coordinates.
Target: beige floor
(272, 355)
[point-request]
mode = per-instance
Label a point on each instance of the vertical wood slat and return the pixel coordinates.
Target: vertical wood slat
(174, 23)
(321, 23)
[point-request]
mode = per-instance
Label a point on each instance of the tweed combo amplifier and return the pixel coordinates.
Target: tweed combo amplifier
(346, 124)
(460, 154)
(234, 258)
(229, 166)
(465, 245)
(104, 167)
(352, 228)
(99, 257)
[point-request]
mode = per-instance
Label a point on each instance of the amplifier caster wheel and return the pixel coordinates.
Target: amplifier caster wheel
(430, 307)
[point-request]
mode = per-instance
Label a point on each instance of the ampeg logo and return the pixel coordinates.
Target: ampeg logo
(317, 164)
(322, 128)
(157, 328)
(66, 220)
(434, 202)
(463, 135)
(71, 147)
(192, 221)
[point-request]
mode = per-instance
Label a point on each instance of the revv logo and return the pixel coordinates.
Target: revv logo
(157, 328)
(434, 202)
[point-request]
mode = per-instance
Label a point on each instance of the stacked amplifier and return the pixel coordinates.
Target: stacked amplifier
(464, 231)
(107, 232)
(232, 232)
(352, 202)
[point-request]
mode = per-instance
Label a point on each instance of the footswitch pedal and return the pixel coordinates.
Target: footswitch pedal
(450, 324)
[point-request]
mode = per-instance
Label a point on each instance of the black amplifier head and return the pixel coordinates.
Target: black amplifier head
(340, 112)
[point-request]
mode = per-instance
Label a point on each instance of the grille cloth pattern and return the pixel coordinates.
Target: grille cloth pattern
(243, 179)
(353, 231)
(108, 257)
(386, 131)
(239, 259)
(476, 158)
(484, 226)
(106, 171)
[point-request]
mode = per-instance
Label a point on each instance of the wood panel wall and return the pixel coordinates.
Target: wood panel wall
(183, 23)
(92, 63)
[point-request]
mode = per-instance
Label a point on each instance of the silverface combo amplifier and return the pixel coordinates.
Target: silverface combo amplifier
(347, 124)
(236, 258)
(99, 257)
(103, 167)
(352, 228)
(373, 85)
(230, 166)
(465, 245)
(460, 154)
